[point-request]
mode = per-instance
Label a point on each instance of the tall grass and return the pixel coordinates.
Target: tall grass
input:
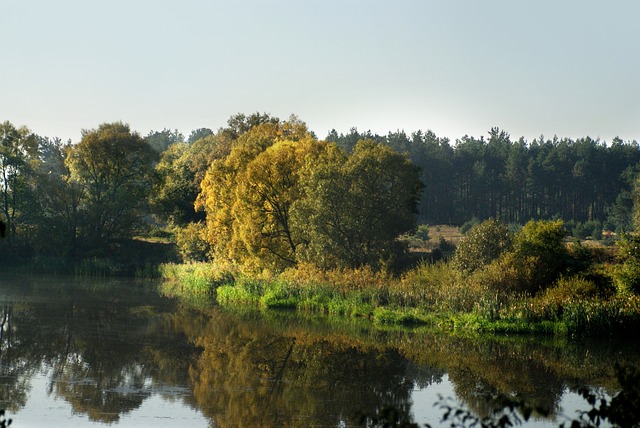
(197, 278)
(491, 299)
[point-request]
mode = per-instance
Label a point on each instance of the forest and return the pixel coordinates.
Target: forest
(267, 192)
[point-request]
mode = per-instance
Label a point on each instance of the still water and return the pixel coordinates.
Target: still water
(91, 353)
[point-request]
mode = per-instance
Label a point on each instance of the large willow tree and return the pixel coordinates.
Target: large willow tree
(281, 197)
(246, 195)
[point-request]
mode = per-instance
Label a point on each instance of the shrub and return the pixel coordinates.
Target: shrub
(444, 250)
(509, 274)
(626, 275)
(428, 285)
(483, 244)
(422, 232)
(588, 229)
(468, 225)
(542, 240)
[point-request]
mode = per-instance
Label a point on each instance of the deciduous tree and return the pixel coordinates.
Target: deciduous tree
(113, 166)
(356, 206)
(225, 181)
(18, 149)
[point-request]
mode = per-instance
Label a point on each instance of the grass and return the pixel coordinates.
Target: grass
(490, 300)
(432, 295)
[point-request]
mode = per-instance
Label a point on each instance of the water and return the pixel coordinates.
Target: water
(116, 352)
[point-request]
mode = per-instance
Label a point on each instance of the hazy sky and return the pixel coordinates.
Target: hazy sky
(566, 68)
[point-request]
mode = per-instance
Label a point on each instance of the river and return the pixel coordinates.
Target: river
(87, 353)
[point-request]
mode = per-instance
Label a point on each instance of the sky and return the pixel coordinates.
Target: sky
(568, 68)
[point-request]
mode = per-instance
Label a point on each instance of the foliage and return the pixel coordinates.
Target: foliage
(112, 166)
(620, 213)
(18, 151)
(159, 141)
(542, 242)
(509, 274)
(55, 214)
(433, 286)
(247, 208)
(515, 180)
(198, 134)
(266, 193)
(481, 245)
(4, 422)
(422, 232)
(588, 229)
(281, 196)
(355, 207)
(626, 275)
(470, 224)
(179, 173)
(445, 250)
(584, 181)
(198, 277)
(622, 410)
(191, 243)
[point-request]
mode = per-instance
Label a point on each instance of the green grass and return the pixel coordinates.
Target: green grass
(196, 278)
(430, 295)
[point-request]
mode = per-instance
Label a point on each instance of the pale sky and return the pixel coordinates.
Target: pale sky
(551, 67)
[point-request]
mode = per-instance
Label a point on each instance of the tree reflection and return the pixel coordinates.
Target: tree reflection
(16, 356)
(108, 346)
(101, 344)
(252, 375)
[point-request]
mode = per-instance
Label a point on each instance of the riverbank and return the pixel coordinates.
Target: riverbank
(134, 258)
(432, 295)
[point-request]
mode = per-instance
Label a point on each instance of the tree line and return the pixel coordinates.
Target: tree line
(267, 191)
(516, 181)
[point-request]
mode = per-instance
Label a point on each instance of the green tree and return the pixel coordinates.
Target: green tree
(541, 242)
(482, 244)
(199, 133)
(113, 167)
(178, 176)
(355, 206)
(626, 274)
(18, 151)
(191, 243)
(54, 213)
(161, 140)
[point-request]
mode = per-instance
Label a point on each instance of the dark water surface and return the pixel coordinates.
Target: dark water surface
(116, 352)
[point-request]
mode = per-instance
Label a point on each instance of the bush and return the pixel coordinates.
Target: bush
(509, 274)
(468, 225)
(588, 229)
(428, 285)
(542, 240)
(483, 244)
(443, 251)
(422, 232)
(626, 275)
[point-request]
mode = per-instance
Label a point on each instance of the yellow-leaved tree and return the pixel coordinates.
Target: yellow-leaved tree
(266, 191)
(281, 197)
(241, 195)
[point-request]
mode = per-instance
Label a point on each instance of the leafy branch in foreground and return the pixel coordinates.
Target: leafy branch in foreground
(622, 410)
(4, 423)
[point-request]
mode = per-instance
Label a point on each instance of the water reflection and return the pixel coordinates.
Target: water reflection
(103, 345)
(250, 374)
(106, 347)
